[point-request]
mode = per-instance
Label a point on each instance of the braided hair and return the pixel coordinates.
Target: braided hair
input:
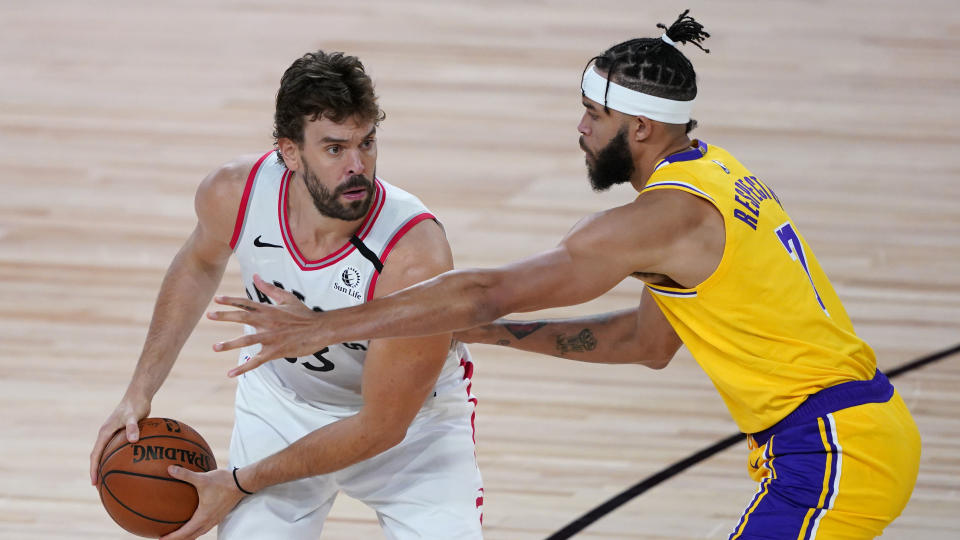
(653, 66)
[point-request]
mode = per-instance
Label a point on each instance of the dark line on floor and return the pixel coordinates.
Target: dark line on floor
(665, 474)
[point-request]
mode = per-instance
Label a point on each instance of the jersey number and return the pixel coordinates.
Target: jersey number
(788, 237)
(325, 365)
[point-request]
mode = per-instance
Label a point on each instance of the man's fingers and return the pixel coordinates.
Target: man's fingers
(230, 316)
(190, 530)
(275, 293)
(102, 437)
(237, 302)
(236, 343)
(183, 474)
(253, 363)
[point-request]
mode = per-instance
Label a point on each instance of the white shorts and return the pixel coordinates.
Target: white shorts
(426, 487)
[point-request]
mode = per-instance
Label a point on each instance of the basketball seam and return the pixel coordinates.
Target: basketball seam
(104, 485)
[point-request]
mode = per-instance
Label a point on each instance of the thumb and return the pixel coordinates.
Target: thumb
(182, 474)
(133, 430)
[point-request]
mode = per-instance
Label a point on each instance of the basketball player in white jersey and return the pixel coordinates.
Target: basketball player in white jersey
(389, 421)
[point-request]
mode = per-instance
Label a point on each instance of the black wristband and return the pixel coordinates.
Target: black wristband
(237, 482)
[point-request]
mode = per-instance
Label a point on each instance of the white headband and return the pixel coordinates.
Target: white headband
(634, 103)
(667, 40)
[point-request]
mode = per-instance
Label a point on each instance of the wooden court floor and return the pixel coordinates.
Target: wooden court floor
(111, 112)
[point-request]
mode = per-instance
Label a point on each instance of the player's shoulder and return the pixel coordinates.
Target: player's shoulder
(223, 187)
(423, 244)
(653, 220)
(416, 232)
(233, 174)
(421, 253)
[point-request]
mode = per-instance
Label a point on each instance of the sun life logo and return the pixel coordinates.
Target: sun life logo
(350, 277)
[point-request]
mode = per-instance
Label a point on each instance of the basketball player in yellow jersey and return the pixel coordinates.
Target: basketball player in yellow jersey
(833, 447)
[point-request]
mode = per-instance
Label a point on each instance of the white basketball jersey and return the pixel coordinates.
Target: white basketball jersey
(347, 277)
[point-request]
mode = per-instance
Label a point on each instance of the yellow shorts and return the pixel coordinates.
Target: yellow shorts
(843, 474)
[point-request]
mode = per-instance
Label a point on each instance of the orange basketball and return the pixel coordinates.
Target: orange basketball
(133, 482)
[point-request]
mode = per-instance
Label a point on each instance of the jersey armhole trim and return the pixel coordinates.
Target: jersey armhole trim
(721, 268)
(242, 210)
(393, 241)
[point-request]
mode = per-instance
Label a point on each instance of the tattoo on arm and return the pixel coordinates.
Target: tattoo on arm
(522, 330)
(582, 342)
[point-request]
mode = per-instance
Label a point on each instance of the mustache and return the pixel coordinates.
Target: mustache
(583, 146)
(355, 181)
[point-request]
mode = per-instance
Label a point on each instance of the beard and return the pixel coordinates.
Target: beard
(328, 202)
(612, 165)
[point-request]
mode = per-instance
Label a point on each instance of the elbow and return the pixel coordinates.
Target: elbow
(379, 433)
(656, 362)
(659, 355)
(386, 438)
(392, 438)
(655, 355)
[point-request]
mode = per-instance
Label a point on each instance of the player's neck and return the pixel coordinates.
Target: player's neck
(648, 161)
(315, 234)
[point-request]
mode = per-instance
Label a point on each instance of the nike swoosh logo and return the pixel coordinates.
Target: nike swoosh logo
(756, 464)
(258, 243)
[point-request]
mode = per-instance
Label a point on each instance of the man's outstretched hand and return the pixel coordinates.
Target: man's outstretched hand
(287, 328)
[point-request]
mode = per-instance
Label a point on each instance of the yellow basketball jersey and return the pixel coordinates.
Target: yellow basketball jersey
(766, 326)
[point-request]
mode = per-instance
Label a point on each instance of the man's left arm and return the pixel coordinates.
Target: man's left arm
(640, 335)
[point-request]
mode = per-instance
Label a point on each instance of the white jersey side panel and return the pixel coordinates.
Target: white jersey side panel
(347, 277)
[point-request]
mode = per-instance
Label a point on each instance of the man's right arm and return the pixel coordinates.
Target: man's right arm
(640, 335)
(190, 281)
(664, 232)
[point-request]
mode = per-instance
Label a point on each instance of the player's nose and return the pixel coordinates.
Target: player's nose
(355, 164)
(583, 127)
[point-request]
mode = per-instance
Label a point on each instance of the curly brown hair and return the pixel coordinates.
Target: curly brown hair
(319, 84)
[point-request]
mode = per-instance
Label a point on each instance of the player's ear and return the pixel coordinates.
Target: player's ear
(290, 152)
(640, 128)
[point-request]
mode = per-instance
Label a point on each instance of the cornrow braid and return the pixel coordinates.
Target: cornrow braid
(686, 30)
(653, 66)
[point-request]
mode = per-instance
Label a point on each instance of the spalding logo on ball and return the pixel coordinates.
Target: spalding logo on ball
(134, 485)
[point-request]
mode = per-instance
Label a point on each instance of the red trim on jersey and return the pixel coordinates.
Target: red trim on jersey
(468, 376)
(379, 198)
(242, 212)
(393, 241)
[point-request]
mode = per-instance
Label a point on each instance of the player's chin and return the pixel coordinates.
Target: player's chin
(351, 210)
